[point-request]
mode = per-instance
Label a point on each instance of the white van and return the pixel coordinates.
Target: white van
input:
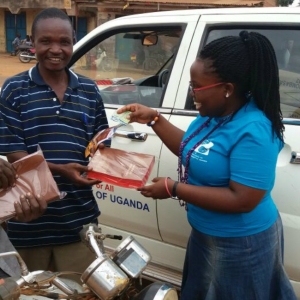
(128, 70)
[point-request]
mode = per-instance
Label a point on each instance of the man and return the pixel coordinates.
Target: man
(27, 41)
(27, 209)
(51, 106)
(16, 43)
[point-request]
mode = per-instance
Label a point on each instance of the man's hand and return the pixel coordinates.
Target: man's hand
(76, 173)
(29, 208)
(7, 175)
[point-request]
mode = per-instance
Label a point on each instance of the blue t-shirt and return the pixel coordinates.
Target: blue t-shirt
(243, 149)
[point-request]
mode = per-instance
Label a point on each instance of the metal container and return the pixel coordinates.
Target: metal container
(131, 257)
(105, 278)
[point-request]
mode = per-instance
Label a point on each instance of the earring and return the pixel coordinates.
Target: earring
(227, 95)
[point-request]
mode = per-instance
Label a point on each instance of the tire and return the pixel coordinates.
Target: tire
(24, 59)
(107, 64)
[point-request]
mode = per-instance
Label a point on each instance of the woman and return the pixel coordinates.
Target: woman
(229, 154)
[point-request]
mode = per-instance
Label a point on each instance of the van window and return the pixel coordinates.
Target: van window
(132, 66)
(286, 43)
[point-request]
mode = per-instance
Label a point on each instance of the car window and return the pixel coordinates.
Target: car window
(286, 43)
(132, 66)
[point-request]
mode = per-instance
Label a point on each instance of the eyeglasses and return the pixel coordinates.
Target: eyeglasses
(193, 90)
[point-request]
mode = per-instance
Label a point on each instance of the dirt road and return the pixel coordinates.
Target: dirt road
(10, 65)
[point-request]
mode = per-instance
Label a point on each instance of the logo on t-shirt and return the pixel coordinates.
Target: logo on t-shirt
(204, 147)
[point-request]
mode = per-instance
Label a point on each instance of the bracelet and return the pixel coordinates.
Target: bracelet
(151, 123)
(166, 185)
(174, 194)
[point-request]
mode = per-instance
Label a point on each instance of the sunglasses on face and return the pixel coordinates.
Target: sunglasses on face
(194, 90)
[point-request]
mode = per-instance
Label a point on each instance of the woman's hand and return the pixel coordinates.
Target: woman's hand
(156, 190)
(139, 113)
(75, 173)
(29, 208)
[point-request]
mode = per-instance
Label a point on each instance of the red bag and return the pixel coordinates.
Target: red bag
(121, 168)
(35, 177)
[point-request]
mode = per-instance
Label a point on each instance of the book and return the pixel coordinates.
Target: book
(35, 177)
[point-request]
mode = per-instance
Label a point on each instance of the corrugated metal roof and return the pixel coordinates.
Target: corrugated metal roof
(203, 2)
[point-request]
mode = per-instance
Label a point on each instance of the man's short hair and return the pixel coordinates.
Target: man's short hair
(49, 13)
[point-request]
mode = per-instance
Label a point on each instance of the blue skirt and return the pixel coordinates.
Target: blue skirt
(243, 268)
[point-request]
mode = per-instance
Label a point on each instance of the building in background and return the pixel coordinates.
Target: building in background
(17, 16)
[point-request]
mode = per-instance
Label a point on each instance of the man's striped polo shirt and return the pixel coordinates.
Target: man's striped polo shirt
(33, 113)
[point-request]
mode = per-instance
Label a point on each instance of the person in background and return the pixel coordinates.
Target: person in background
(226, 172)
(60, 111)
(16, 43)
(27, 41)
(284, 54)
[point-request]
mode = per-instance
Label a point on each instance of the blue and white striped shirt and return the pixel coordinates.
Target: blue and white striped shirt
(32, 112)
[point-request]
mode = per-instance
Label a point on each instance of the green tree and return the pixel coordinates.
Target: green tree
(285, 2)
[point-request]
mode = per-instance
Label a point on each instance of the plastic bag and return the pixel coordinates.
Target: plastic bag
(35, 177)
(121, 168)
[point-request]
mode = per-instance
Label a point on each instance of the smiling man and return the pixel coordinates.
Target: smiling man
(53, 107)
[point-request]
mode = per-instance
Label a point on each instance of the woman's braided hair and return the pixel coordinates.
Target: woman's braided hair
(249, 62)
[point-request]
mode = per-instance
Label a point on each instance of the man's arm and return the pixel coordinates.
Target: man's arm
(72, 171)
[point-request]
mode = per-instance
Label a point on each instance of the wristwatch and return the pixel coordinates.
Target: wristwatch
(174, 195)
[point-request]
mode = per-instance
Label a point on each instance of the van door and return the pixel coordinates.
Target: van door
(286, 42)
(128, 71)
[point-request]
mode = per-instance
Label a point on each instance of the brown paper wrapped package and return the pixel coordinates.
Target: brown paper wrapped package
(121, 168)
(35, 177)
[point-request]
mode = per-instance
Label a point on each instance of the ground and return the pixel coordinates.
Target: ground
(11, 65)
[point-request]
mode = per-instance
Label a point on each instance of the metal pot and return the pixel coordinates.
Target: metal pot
(105, 278)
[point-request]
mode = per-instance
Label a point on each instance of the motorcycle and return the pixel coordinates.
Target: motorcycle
(26, 54)
(102, 62)
(108, 277)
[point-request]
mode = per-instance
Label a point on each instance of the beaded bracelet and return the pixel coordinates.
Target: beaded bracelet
(151, 123)
(166, 185)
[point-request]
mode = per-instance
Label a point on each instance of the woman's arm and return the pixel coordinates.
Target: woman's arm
(236, 198)
(170, 135)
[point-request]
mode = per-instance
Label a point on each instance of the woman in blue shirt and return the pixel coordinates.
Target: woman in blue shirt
(226, 170)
